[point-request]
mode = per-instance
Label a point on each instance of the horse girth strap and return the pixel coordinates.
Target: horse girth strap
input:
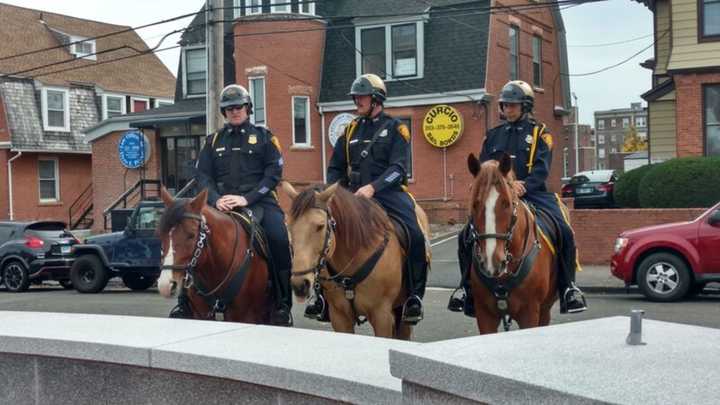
(350, 282)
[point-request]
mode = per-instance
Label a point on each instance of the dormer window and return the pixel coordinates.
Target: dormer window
(392, 51)
(83, 48)
(280, 6)
(194, 71)
(307, 7)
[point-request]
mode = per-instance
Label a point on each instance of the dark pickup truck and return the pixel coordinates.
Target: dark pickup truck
(132, 254)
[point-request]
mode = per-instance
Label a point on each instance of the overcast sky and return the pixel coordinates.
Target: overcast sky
(587, 25)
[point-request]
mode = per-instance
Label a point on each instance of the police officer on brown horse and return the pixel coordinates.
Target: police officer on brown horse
(371, 160)
(522, 137)
(240, 165)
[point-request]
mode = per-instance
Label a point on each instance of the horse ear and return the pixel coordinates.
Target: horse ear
(473, 164)
(329, 192)
(166, 197)
(289, 189)
(199, 201)
(505, 164)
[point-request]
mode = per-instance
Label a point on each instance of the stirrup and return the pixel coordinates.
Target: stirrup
(456, 304)
(320, 305)
(573, 294)
(412, 318)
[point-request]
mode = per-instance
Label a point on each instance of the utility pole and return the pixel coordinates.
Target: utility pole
(214, 38)
(577, 146)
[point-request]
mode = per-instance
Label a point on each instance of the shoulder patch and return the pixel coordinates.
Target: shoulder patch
(276, 142)
(548, 140)
(404, 131)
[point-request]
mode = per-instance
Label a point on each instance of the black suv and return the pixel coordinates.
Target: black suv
(31, 252)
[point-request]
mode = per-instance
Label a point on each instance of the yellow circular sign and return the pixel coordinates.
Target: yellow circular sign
(442, 126)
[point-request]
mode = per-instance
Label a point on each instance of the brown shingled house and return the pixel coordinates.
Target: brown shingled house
(45, 163)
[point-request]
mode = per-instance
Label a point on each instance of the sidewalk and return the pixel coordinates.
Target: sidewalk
(597, 279)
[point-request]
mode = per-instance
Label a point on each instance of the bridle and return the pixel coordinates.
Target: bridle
(322, 261)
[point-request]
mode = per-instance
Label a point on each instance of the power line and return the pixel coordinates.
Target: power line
(611, 43)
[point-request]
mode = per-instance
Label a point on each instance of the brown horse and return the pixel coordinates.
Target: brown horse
(211, 253)
(332, 230)
(512, 274)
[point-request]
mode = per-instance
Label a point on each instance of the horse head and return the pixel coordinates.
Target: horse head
(493, 210)
(182, 227)
(312, 234)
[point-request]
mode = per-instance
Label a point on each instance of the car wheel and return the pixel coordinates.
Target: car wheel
(138, 282)
(16, 276)
(66, 284)
(663, 277)
(88, 274)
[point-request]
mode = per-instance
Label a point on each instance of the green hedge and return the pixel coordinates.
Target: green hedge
(681, 183)
(626, 188)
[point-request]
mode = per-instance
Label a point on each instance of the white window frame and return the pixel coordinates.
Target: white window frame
(613, 123)
(311, 9)
(308, 122)
(123, 107)
(166, 101)
(601, 153)
(274, 8)
(56, 178)
(249, 9)
(237, 8)
(251, 90)
(601, 124)
(184, 68)
(601, 139)
(626, 122)
(134, 99)
(73, 48)
(66, 103)
(613, 138)
(642, 120)
(420, 43)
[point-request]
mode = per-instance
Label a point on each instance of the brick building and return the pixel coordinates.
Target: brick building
(45, 163)
(684, 102)
(611, 127)
(586, 151)
(298, 61)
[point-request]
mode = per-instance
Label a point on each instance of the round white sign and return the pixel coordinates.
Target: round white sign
(337, 127)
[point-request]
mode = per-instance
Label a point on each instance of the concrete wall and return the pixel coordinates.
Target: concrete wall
(90, 359)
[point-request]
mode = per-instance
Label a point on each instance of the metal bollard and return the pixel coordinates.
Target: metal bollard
(635, 336)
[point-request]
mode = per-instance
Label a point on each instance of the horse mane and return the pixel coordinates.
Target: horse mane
(360, 221)
(488, 177)
(172, 216)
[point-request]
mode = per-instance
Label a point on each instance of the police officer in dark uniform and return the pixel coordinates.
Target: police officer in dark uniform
(526, 140)
(371, 159)
(241, 165)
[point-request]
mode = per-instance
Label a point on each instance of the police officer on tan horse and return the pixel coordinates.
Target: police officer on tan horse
(241, 165)
(370, 159)
(522, 137)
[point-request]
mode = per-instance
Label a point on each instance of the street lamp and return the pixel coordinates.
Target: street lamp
(577, 146)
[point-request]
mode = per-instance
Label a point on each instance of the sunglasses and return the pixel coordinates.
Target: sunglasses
(235, 107)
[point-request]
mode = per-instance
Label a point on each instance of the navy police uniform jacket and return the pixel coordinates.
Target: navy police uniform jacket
(243, 160)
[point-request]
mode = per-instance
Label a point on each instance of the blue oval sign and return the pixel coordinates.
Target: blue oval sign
(132, 149)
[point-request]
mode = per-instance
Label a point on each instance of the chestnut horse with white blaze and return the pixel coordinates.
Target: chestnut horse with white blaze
(513, 272)
(211, 254)
(348, 245)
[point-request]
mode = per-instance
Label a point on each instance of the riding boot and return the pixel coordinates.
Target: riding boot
(318, 309)
(282, 315)
(417, 279)
(463, 303)
(573, 300)
(182, 310)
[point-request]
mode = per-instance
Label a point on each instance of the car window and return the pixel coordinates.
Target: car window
(148, 218)
(47, 230)
(5, 232)
(579, 180)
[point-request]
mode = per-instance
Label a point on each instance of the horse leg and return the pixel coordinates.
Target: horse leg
(486, 322)
(544, 316)
(530, 318)
(341, 321)
(383, 322)
(403, 331)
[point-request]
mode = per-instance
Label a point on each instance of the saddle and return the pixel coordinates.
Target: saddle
(401, 232)
(260, 242)
(549, 227)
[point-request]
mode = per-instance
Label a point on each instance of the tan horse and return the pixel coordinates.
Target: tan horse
(333, 226)
(508, 251)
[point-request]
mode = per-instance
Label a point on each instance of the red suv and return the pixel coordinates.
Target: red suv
(671, 261)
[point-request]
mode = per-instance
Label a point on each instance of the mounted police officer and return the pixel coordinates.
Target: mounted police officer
(371, 159)
(525, 139)
(241, 165)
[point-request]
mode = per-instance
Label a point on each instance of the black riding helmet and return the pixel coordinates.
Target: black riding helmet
(517, 92)
(235, 95)
(369, 85)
